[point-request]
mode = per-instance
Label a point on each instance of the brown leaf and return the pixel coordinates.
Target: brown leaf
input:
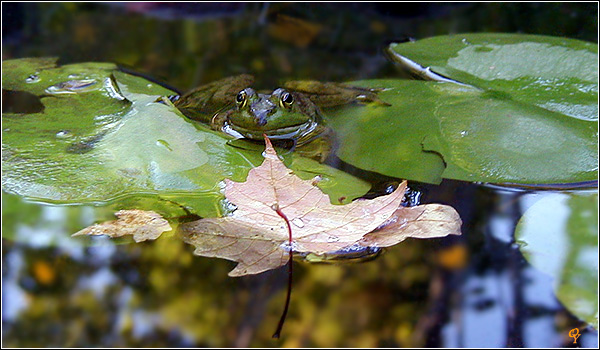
(228, 238)
(142, 225)
(256, 236)
(422, 221)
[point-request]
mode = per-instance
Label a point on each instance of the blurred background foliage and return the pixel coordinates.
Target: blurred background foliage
(474, 290)
(188, 44)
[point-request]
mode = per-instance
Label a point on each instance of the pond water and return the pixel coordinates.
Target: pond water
(473, 290)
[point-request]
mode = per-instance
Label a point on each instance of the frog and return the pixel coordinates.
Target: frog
(290, 112)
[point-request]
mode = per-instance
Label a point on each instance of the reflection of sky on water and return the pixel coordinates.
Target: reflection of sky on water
(488, 305)
(484, 321)
(14, 299)
(51, 230)
(539, 331)
(556, 233)
(588, 340)
(502, 228)
(483, 317)
(97, 282)
(538, 289)
(144, 323)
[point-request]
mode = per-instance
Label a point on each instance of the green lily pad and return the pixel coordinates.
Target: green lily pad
(559, 236)
(114, 141)
(558, 74)
(513, 120)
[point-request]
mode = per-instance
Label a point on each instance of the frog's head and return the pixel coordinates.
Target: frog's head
(280, 114)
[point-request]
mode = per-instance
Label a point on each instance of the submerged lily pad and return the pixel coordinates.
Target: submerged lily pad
(114, 141)
(559, 236)
(526, 113)
(42, 75)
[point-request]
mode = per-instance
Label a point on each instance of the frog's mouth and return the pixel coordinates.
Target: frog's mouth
(289, 132)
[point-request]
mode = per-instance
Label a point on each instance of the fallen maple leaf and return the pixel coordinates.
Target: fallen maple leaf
(256, 235)
(142, 225)
(422, 221)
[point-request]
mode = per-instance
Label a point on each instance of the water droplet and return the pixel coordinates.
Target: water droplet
(34, 78)
(316, 180)
(63, 134)
(332, 239)
(229, 207)
(298, 222)
(286, 246)
(72, 86)
(403, 223)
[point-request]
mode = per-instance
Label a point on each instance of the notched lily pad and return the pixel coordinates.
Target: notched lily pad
(518, 109)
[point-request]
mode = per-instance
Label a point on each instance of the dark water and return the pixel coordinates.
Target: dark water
(476, 290)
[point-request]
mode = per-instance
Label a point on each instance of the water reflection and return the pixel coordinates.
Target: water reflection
(507, 302)
(475, 290)
(14, 298)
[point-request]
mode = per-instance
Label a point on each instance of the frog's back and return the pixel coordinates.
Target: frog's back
(203, 102)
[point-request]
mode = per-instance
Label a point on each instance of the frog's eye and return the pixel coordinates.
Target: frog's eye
(287, 99)
(241, 97)
(244, 96)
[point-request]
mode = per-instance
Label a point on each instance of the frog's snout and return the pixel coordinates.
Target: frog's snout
(261, 111)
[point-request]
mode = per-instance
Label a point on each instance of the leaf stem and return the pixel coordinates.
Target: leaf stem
(289, 291)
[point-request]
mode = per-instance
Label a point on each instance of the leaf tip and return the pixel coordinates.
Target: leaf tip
(267, 140)
(269, 150)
